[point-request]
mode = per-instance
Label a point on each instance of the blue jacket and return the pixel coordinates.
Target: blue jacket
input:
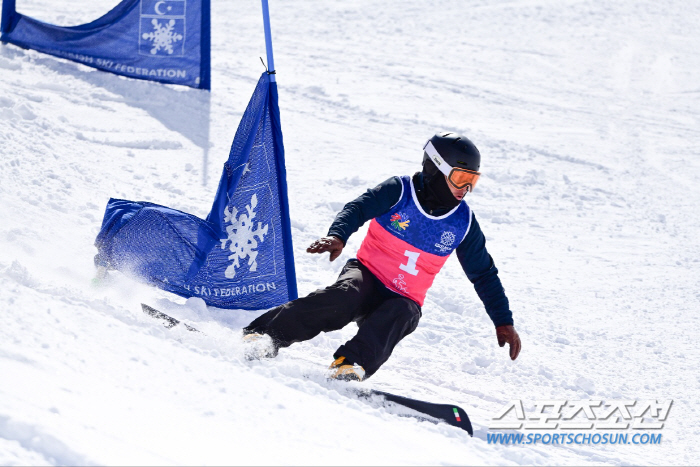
(475, 260)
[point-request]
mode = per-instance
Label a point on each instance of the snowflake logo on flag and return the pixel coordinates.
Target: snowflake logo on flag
(163, 36)
(242, 235)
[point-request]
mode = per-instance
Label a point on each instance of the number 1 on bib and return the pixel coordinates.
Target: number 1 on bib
(410, 266)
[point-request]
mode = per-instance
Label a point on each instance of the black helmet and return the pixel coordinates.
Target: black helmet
(450, 149)
(456, 150)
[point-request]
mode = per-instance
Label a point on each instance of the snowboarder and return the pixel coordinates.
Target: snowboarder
(416, 222)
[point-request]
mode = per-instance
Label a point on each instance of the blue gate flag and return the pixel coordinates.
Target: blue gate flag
(241, 255)
(160, 40)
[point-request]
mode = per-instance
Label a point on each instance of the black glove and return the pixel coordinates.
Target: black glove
(507, 333)
(332, 244)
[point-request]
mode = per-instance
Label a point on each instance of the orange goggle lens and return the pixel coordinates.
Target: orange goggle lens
(463, 178)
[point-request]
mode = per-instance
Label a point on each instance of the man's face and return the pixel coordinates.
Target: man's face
(456, 192)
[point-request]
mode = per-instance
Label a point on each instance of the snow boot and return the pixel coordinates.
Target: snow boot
(344, 370)
(257, 346)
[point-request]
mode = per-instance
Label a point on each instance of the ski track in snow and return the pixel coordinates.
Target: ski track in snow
(586, 114)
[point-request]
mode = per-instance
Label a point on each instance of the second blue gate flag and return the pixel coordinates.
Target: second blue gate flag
(159, 40)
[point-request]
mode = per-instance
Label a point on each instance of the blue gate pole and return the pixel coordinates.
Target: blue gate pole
(8, 12)
(268, 41)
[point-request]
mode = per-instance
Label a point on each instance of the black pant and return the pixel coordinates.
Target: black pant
(383, 316)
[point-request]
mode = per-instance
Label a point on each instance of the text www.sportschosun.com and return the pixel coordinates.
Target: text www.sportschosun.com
(571, 438)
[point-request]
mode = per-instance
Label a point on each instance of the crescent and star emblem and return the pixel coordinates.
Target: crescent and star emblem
(157, 8)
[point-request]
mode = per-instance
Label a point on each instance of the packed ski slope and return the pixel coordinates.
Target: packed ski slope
(587, 115)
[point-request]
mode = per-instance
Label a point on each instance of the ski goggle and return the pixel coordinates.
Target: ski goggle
(458, 177)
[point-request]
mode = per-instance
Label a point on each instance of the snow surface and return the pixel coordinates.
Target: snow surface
(587, 114)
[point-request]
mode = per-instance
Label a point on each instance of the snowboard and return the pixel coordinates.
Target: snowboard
(167, 320)
(423, 410)
(430, 411)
